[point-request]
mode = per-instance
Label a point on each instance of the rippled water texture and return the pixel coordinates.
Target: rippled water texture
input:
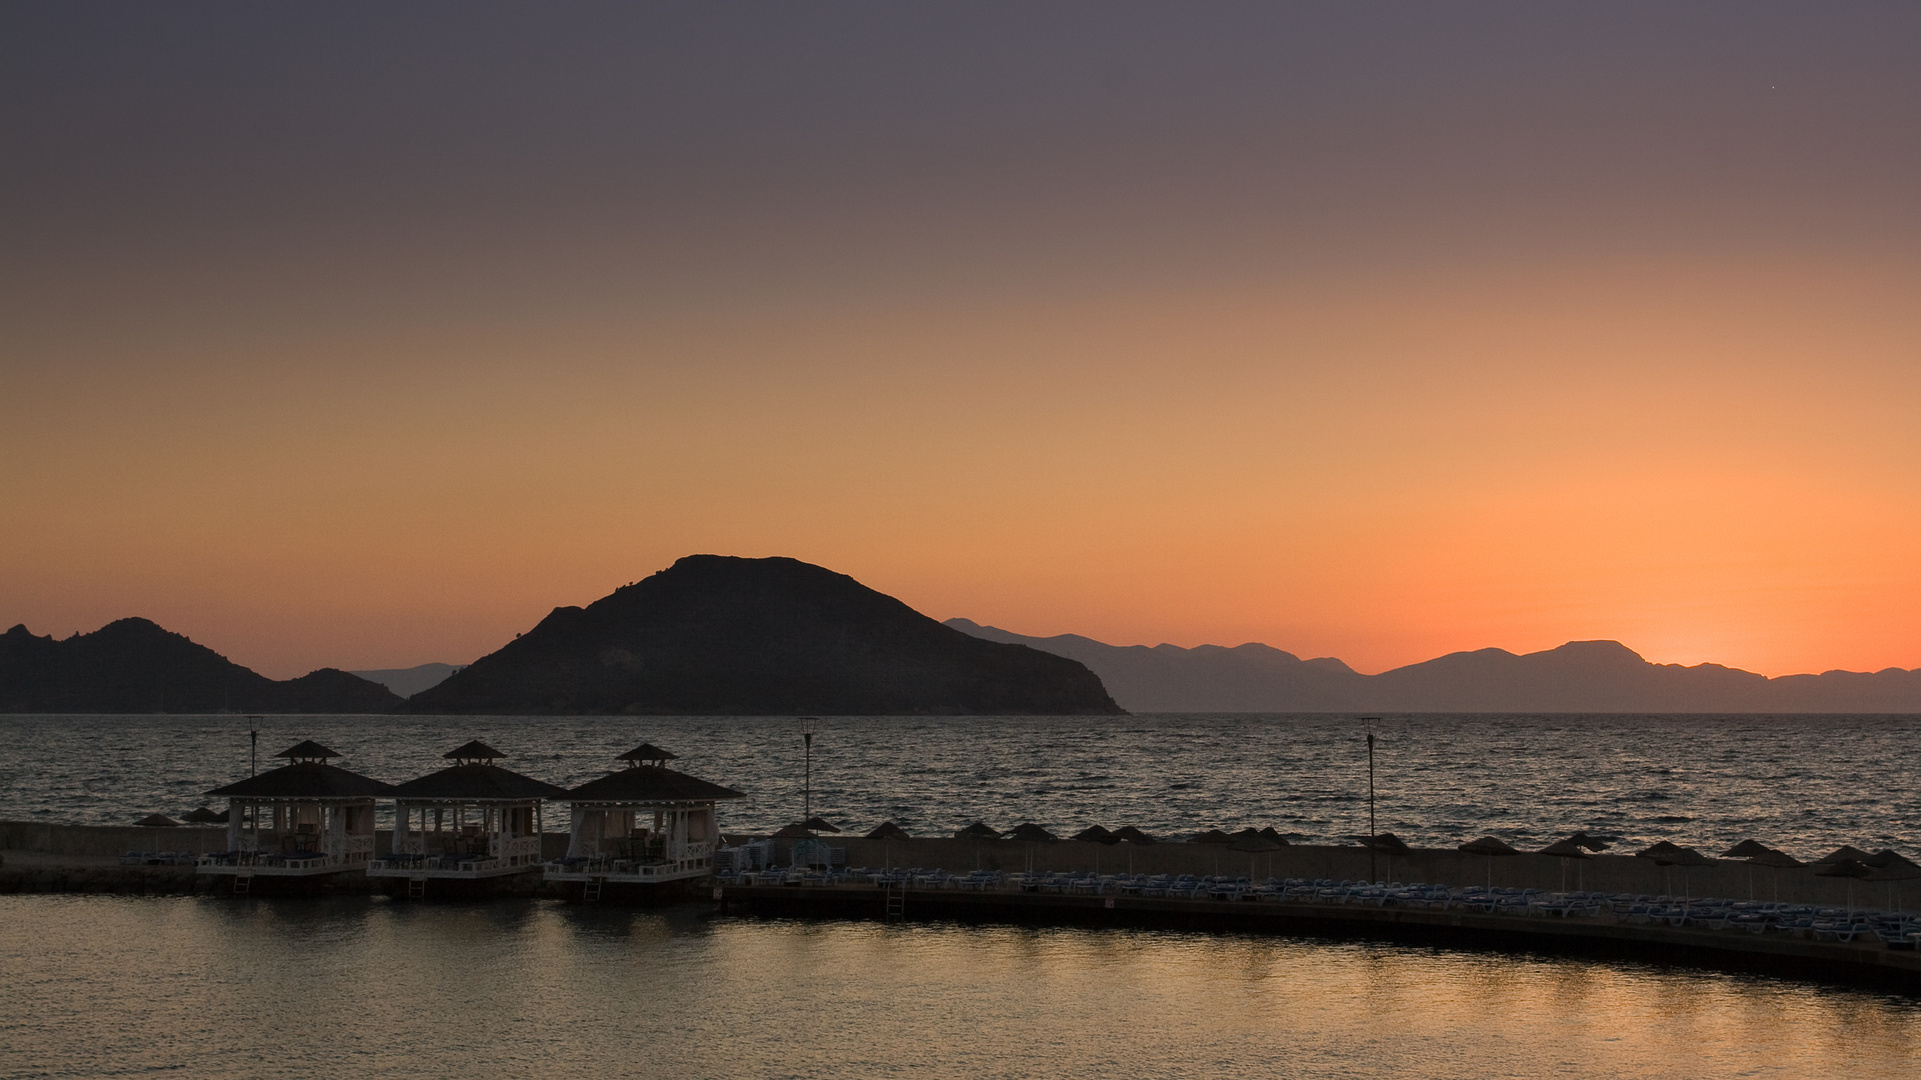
(1806, 783)
(102, 986)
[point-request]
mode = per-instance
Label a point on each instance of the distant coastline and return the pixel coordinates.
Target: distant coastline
(1578, 677)
(717, 635)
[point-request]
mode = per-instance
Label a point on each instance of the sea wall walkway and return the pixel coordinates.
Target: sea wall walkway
(1609, 873)
(1865, 959)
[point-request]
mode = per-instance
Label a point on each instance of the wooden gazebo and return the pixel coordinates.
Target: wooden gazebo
(644, 825)
(470, 821)
(304, 819)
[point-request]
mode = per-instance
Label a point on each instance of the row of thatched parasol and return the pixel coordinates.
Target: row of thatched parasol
(200, 815)
(1846, 861)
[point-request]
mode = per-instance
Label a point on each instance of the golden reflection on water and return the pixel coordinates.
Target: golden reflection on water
(372, 989)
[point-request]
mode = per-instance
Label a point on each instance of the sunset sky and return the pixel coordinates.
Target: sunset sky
(363, 335)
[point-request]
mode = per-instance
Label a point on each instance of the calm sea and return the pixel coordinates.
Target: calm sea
(1805, 783)
(369, 989)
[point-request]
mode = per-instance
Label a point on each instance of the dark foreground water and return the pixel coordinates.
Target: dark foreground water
(1805, 783)
(369, 989)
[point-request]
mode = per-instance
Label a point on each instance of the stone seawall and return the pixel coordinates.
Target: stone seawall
(1606, 872)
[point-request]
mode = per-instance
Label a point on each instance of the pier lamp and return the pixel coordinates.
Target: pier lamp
(1372, 832)
(807, 777)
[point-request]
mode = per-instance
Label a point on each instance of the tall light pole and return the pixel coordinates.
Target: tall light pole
(253, 754)
(807, 778)
(1372, 832)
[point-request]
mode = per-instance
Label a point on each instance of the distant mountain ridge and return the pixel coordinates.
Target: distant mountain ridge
(720, 635)
(134, 666)
(1580, 676)
(411, 680)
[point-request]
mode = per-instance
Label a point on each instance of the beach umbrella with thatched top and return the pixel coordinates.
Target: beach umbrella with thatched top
(1748, 849)
(1493, 847)
(1567, 849)
(200, 815)
(1851, 869)
(887, 832)
(820, 824)
(1031, 834)
(1685, 858)
(1256, 845)
(1844, 853)
(1133, 838)
(1776, 861)
(1890, 866)
(1095, 834)
(978, 832)
(1388, 844)
(157, 821)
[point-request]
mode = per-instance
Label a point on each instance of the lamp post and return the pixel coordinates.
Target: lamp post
(253, 753)
(807, 777)
(1372, 832)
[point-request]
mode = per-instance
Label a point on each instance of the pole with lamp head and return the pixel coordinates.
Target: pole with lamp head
(1372, 832)
(807, 777)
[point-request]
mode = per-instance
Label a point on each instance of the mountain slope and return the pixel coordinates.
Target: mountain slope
(717, 635)
(134, 666)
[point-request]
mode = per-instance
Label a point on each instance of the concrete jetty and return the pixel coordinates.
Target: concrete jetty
(1864, 960)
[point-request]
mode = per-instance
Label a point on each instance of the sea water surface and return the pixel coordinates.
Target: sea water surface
(369, 989)
(1804, 783)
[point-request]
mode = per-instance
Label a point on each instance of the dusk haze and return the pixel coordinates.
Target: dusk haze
(1371, 331)
(1354, 539)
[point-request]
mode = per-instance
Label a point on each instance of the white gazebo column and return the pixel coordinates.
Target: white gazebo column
(578, 815)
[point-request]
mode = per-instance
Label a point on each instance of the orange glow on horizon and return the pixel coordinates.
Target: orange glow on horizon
(1706, 460)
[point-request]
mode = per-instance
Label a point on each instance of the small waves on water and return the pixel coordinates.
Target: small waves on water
(372, 989)
(1806, 783)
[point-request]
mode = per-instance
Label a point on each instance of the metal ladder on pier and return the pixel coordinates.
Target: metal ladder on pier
(243, 884)
(417, 888)
(590, 891)
(896, 897)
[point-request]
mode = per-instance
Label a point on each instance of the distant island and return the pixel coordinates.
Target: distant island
(410, 680)
(1578, 677)
(134, 666)
(719, 635)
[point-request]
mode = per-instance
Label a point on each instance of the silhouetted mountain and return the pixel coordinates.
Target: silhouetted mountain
(134, 666)
(1580, 676)
(1207, 678)
(412, 680)
(716, 635)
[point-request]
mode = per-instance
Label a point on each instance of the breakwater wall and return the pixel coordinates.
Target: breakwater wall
(1607, 872)
(1796, 955)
